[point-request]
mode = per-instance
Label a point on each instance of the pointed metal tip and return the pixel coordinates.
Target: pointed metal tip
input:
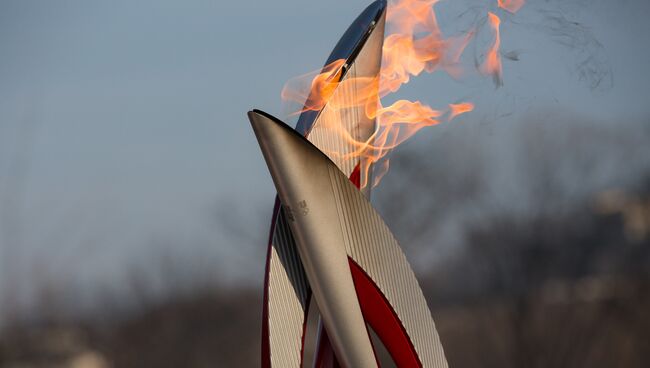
(280, 144)
(256, 118)
(292, 160)
(271, 132)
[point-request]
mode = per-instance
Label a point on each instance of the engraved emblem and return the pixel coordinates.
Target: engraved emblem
(304, 210)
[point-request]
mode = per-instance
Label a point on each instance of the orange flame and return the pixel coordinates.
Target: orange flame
(492, 64)
(320, 91)
(460, 108)
(406, 55)
(512, 6)
(414, 44)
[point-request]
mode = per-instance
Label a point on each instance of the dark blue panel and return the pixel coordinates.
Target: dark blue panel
(347, 48)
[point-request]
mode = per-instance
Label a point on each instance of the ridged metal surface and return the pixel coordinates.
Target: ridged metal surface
(326, 133)
(288, 292)
(370, 244)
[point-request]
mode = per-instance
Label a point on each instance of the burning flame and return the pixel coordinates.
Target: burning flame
(460, 108)
(492, 64)
(321, 90)
(413, 44)
(512, 6)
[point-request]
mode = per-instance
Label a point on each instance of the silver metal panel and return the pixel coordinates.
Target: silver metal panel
(300, 173)
(330, 220)
(288, 292)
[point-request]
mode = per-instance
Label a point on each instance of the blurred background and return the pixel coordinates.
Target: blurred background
(135, 203)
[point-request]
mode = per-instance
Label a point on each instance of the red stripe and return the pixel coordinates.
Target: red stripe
(304, 326)
(379, 314)
(355, 177)
(325, 357)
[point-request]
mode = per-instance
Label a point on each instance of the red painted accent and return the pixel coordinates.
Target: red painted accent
(325, 357)
(379, 314)
(266, 344)
(304, 326)
(355, 177)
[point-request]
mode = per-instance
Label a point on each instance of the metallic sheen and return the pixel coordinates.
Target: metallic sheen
(331, 220)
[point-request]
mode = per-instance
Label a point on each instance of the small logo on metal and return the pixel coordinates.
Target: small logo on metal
(304, 210)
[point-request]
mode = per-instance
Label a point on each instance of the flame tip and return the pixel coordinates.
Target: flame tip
(413, 45)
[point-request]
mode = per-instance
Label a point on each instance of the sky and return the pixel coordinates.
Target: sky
(123, 129)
